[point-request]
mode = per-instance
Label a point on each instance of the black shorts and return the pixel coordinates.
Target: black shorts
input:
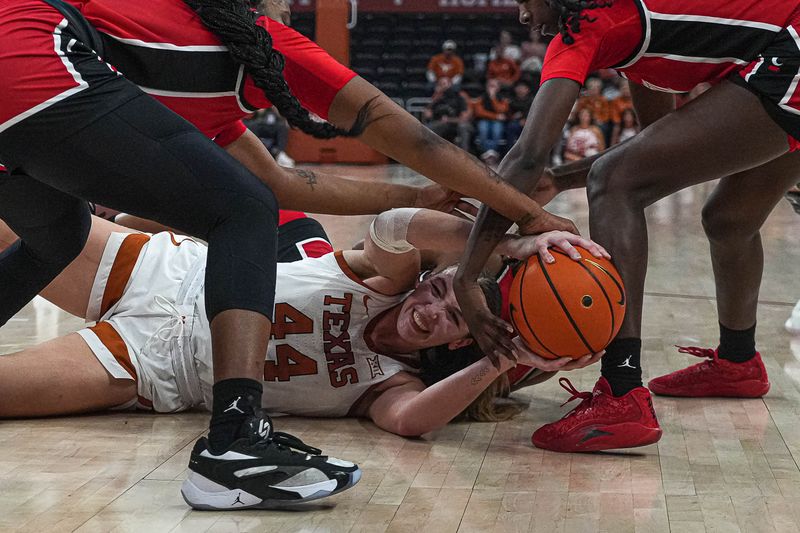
(300, 238)
(52, 62)
(773, 77)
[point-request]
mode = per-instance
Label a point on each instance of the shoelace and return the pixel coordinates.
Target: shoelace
(279, 437)
(567, 385)
(286, 440)
(697, 352)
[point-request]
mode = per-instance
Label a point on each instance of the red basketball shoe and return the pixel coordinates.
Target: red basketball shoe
(714, 377)
(601, 421)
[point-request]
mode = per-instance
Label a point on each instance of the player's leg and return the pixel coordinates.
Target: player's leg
(58, 377)
(70, 290)
(154, 164)
(699, 142)
(53, 228)
(732, 218)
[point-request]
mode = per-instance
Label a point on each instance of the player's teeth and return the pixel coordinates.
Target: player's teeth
(418, 320)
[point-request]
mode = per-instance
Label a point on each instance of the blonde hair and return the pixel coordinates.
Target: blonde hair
(493, 404)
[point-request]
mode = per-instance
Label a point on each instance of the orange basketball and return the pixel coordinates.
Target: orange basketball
(568, 308)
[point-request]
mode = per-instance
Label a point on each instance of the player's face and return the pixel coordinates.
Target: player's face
(430, 316)
(539, 16)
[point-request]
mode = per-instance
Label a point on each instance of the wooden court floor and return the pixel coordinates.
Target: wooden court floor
(722, 465)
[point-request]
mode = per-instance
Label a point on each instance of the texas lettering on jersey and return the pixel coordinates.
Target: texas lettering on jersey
(336, 344)
(336, 340)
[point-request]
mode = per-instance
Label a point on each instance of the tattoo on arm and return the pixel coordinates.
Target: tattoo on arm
(477, 378)
(526, 219)
(309, 176)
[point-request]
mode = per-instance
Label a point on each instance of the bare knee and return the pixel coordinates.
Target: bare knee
(722, 224)
(606, 184)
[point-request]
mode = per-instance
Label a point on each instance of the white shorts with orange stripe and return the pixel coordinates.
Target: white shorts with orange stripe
(144, 297)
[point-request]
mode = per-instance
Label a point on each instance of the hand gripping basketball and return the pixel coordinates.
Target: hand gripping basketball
(567, 308)
(523, 247)
(563, 364)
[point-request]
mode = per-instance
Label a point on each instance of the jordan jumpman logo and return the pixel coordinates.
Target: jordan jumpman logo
(627, 363)
(234, 405)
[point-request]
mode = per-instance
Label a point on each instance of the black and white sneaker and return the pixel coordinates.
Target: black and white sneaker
(268, 469)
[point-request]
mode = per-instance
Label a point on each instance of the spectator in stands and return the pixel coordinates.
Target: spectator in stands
(622, 102)
(598, 106)
(531, 58)
(584, 139)
(503, 69)
(505, 43)
(448, 114)
(536, 38)
(446, 65)
(490, 110)
(518, 107)
(611, 83)
(279, 10)
(273, 131)
(627, 127)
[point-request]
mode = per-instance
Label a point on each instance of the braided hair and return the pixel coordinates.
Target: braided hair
(570, 15)
(233, 22)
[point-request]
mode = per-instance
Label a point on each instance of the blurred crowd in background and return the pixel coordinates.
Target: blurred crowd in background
(490, 123)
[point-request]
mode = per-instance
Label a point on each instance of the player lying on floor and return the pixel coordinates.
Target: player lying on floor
(356, 333)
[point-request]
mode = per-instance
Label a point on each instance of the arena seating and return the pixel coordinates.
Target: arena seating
(392, 50)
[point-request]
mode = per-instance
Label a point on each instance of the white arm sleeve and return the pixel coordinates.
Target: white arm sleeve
(390, 229)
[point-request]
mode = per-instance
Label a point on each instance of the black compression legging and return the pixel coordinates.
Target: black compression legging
(141, 159)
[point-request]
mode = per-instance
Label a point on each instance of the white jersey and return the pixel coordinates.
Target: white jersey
(319, 362)
(148, 299)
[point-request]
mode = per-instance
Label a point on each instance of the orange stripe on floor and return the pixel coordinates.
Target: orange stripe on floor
(111, 340)
(122, 269)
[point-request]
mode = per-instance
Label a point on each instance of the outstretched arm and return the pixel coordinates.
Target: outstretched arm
(394, 132)
(521, 168)
(318, 192)
(400, 241)
(411, 409)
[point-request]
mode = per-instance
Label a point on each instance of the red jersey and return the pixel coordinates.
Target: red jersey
(164, 48)
(670, 45)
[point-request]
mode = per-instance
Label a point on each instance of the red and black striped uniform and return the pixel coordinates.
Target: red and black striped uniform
(164, 48)
(674, 45)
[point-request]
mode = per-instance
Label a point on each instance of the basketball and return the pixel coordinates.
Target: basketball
(568, 308)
